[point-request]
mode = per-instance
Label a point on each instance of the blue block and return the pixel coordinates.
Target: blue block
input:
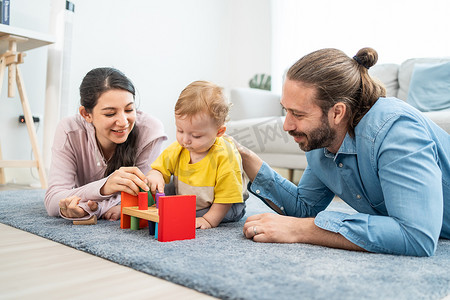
(151, 227)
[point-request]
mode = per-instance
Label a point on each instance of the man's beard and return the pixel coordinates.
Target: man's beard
(320, 137)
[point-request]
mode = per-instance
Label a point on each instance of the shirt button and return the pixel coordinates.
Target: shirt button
(341, 165)
(258, 191)
(358, 196)
(282, 208)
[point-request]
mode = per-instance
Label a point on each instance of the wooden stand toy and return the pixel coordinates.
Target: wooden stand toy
(172, 219)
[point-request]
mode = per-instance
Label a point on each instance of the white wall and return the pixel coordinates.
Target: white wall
(398, 30)
(164, 45)
(15, 143)
(161, 45)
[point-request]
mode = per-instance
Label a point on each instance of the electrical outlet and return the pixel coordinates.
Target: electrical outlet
(22, 119)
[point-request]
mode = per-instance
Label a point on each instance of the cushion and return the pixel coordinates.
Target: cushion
(388, 75)
(441, 118)
(253, 103)
(429, 88)
(406, 69)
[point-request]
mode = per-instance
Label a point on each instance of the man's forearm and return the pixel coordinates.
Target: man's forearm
(318, 236)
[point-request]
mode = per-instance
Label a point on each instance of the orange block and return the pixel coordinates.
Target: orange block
(126, 200)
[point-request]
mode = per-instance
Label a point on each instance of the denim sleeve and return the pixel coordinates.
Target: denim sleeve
(291, 200)
(408, 169)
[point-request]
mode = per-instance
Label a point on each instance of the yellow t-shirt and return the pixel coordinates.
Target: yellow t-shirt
(217, 178)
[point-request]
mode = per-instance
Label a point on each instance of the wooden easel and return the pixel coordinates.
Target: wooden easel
(11, 59)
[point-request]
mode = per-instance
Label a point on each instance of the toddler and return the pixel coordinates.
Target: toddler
(202, 161)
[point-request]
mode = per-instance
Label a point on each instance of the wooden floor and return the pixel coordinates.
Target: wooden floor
(32, 267)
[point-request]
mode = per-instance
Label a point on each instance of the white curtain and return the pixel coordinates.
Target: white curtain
(397, 29)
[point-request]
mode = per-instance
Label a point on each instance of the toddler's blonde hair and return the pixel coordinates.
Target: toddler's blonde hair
(203, 96)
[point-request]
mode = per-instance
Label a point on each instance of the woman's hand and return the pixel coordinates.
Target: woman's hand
(69, 207)
(155, 181)
(125, 179)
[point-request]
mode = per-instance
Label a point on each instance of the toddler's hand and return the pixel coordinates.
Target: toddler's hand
(113, 214)
(202, 223)
(155, 181)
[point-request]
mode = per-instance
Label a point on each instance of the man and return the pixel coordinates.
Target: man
(379, 155)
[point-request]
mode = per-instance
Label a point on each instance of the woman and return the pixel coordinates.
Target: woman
(104, 150)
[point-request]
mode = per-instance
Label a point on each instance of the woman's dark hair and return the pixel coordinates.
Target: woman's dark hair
(339, 78)
(94, 84)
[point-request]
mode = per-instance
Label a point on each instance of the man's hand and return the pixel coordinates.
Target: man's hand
(250, 161)
(273, 228)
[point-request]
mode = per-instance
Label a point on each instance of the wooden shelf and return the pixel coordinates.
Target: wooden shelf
(34, 39)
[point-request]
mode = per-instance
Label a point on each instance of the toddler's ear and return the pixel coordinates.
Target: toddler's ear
(221, 130)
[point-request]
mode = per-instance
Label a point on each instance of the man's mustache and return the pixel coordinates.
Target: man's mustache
(296, 134)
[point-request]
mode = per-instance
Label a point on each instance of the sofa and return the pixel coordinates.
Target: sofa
(256, 117)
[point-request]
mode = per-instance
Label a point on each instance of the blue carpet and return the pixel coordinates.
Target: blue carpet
(222, 263)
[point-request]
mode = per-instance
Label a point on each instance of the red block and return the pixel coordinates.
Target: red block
(143, 200)
(176, 218)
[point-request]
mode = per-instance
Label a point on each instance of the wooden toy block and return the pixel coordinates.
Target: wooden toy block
(157, 195)
(151, 227)
(125, 201)
(151, 214)
(172, 219)
(91, 221)
(143, 223)
(176, 218)
(129, 200)
(134, 225)
(151, 200)
(143, 200)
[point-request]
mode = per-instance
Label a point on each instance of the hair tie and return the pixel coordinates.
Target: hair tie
(360, 62)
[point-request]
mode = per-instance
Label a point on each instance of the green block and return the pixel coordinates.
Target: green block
(151, 201)
(134, 223)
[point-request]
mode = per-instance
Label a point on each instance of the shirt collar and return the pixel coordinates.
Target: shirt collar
(348, 146)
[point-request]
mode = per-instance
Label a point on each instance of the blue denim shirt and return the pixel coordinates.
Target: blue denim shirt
(395, 173)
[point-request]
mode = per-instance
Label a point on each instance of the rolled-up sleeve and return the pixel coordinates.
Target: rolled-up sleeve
(305, 200)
